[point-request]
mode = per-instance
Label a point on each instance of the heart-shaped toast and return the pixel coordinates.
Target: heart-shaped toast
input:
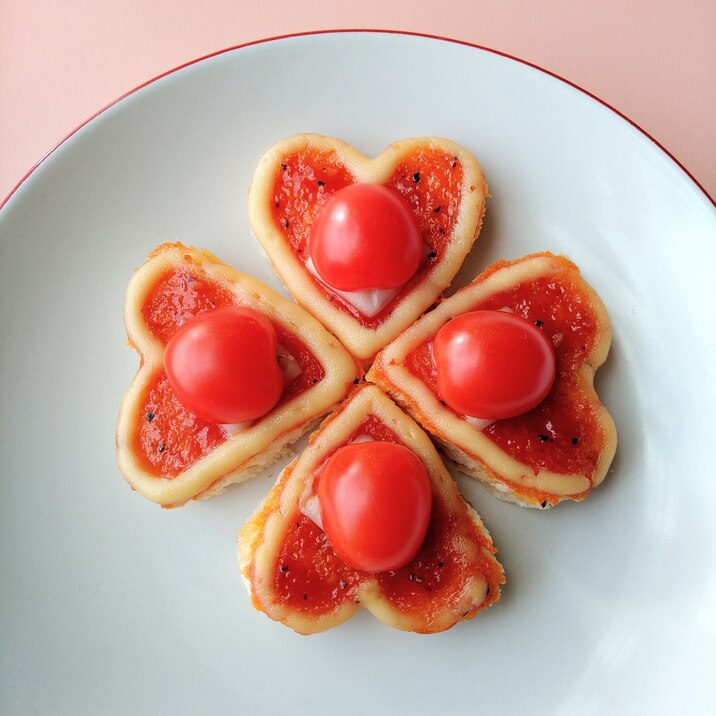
(166, 452)
(437, 181)
(294, 575)
(560, 449)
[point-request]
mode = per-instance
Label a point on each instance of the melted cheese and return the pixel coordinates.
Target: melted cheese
(369, 302)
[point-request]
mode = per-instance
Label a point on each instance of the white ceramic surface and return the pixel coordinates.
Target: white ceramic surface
(109, 604)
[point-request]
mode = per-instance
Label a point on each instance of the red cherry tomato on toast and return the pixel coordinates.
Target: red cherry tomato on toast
(493, 364)
(375, 502)
(222, 365)
(365, 237)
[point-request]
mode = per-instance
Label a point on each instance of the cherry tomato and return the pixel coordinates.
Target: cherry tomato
(222, 365)
(365, 237)
(375, 504)
(493, 364)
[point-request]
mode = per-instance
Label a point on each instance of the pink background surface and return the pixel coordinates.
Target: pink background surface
(61, 61)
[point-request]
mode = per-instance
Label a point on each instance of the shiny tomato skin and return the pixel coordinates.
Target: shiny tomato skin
(222, 365)
(365, 237)
(493, 364)
(375, 500)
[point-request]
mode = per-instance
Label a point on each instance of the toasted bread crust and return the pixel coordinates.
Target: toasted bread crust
(250, 450)
(260, 539)
(473, 452)
(363, 341)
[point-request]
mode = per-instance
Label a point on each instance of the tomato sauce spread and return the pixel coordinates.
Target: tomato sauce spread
(562, 433)
(436, 579)
(311, 370)
(177, 297)
(429, 181)
(375, 428)
(311, 578)
(170, 438)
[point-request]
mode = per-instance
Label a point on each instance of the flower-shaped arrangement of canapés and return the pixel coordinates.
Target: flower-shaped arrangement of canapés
(501, 374)
(366, 245)
(368, 516)
(231, 375)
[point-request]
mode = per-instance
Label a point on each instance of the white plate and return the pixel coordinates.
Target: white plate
(111, 605)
